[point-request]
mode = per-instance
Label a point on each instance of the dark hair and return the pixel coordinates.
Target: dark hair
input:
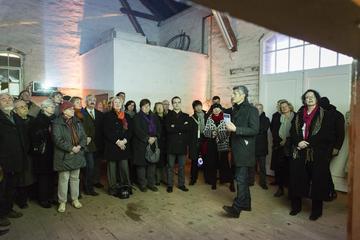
(119, 93)
(23, 91)
(216, 98)
(66, 98)
(242, 88)
(128, 104)
(143, 102)
(176, 97)
(317, 96)
(196, 103)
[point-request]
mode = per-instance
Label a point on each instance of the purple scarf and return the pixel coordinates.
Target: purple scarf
(150, 120)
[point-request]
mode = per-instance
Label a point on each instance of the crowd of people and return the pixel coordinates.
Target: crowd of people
(50, 152)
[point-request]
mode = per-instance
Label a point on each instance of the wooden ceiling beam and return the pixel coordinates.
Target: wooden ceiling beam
(131, 17)
(140, 14)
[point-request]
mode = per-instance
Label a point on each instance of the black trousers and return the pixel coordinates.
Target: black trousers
(46, 186)
(316, 207)
(218, 161)
(282, 171)
(7, 193)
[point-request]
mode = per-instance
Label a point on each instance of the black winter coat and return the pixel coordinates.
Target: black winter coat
(194, 141)
(13, 152)
(338, 123)
(141, 137)
(162, 142)
(40, 135)
(246, 119)
(261, 148)
(302, 181)
(113, 131)
(177, 128)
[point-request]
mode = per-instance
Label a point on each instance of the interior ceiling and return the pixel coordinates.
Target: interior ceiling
(334, 24)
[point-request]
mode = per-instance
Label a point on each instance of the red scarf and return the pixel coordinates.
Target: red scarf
(217, 118)
(121, 117)
(308, 119)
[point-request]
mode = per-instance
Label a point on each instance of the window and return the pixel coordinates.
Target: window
(285, 54)
(10, 73)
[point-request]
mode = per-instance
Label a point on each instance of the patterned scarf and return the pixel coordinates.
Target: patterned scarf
(74, 135)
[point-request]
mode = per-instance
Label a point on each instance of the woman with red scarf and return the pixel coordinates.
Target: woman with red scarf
(218, 148)
(309, 168)
(117, 132)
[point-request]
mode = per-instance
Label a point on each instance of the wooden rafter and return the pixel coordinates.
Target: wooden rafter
(152, 9)
(131, 17)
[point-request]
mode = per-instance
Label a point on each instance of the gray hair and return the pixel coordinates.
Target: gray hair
(46, 103)
(243, 89)
(5, 94)
(88, 97)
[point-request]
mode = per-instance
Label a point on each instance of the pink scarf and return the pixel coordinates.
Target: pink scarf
(308, 119)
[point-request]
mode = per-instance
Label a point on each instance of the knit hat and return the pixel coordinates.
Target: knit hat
(65, 105)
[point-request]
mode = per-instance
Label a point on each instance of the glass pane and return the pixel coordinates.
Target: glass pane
(328, 58)
(296, 58)
(295, 42)
(14, 76)
(14, 89)
(269, 45)
(14, 62)
(282, 61)
(3, 75)
(282, 41)
(311, 56)
(269, 63)
(4, 61)
(343, 59)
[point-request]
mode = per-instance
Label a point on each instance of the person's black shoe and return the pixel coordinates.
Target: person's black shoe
(264, 186)
(213, 187)
(153, 188)
(169, 189)
(314, 217)
(91, 193)
(294, 212)
(192, 182)
(279, 192)
(251, 184)
(143, 188)
(98, 185)
(4, 231)
(231, 212)
(157, 184)
(4, 222)
(183, 188)
(14, 214)
(45, 204)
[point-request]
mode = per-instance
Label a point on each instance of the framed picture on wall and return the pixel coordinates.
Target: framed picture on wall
(102, 102)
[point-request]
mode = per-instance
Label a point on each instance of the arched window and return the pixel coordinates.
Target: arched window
(11, 65)
(281, 53)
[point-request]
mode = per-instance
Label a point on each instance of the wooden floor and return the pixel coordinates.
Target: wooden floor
(196, 214)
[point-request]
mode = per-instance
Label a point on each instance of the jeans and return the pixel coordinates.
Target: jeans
(63, 184)
(243, 198)
(181, 169)
(89, 172)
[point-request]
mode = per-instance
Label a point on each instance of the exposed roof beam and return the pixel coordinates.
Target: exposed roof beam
(140, 14)
(131, 17)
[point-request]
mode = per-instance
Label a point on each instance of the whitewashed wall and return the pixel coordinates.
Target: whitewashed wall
(158, 73)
